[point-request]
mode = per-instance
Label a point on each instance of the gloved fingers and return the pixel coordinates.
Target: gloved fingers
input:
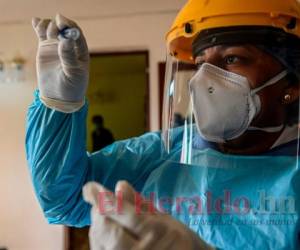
(152, 231)
(168, 241)
(90, 192)
(68, 56)
(35, 21)
(40, 27)
(127, 191)
(144, 242)
(52, 30)
(62, 22)
(81, 47)
(106, 234)
(127, 217)
(153, 241)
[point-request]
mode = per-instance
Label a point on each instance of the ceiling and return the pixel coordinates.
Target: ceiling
(20, 11)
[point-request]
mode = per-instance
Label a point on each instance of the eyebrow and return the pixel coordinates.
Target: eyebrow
(226, 46)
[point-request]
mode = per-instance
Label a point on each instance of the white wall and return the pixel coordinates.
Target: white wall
(113, 25)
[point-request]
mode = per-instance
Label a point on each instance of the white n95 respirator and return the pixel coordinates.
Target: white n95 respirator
(224, 105)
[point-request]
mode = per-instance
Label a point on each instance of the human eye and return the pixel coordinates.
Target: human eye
(232, 59)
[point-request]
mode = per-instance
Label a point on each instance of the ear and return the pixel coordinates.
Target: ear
(291, 94)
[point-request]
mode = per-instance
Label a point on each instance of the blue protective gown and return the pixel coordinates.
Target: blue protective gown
(60, 166)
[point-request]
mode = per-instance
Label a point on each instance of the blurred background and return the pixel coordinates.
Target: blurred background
(126, 42)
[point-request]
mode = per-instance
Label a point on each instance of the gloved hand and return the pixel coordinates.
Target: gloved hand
(131, 231)
(62, 65)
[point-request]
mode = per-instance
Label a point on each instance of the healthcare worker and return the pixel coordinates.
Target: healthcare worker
(227, 178)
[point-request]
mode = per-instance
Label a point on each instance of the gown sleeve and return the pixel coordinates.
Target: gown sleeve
(59, 164)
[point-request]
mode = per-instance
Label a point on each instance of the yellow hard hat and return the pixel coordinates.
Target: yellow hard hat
(200, 15)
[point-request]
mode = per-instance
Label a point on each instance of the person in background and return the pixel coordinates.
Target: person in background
(101, 136)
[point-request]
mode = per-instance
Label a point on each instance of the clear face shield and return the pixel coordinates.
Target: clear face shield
(231, 127)
(231, 134)
(178, 119)
(211, 111)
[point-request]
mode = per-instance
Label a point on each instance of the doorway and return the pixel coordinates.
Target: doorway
(118, 92)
